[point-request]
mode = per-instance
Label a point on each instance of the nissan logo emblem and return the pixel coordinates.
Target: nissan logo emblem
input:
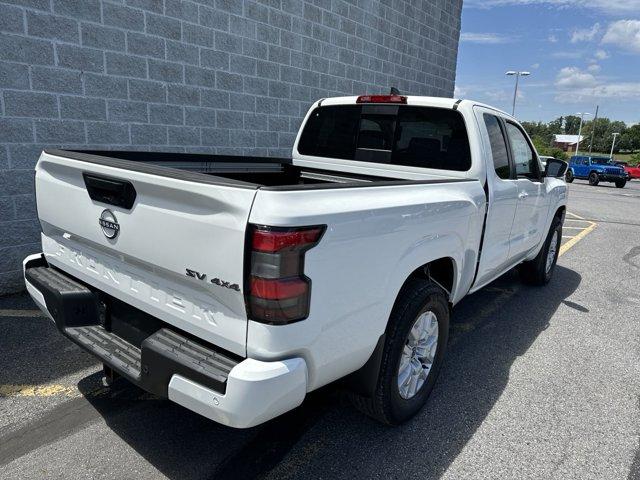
(109, 224)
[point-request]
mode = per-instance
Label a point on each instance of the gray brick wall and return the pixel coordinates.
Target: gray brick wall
(216, 76)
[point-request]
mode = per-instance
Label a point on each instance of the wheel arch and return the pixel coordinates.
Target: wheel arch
(441, 271)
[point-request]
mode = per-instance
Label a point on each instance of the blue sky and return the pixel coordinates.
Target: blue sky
(580, 53)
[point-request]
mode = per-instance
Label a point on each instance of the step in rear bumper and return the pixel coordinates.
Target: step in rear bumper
(229, 390)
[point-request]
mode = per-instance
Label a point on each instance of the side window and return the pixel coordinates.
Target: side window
(498, 147)
(331, 132)
(523, 155)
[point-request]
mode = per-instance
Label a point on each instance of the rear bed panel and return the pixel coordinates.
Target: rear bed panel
(375, 237)
(174, 225)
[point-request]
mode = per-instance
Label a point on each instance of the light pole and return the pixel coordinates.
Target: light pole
(613, 144)
(515, 93)
(580, 129)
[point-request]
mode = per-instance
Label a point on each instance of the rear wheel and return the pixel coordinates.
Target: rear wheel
(594, 179)
(540, 270)
(569, 176)
(621, 183)
(414, 348)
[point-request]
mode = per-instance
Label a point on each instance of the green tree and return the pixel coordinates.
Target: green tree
(630, 138)
(602, 130)
(543, 148)
(571, 124)
(555, 126)
(538, 130)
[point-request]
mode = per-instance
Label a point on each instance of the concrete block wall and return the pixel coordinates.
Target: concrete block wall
(216, 76)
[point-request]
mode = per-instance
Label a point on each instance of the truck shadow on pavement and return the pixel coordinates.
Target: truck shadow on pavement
(326, 437)
(32, 350)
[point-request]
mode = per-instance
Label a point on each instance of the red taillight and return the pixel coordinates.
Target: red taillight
(279, 292)
(273, 240)
(277, 289)
(381, 99)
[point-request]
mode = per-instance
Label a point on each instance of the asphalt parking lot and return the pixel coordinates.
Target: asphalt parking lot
(538, 383)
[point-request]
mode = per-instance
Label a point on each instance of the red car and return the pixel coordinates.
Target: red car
(632, 172)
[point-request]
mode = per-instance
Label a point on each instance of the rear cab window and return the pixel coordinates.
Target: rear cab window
(415, 136)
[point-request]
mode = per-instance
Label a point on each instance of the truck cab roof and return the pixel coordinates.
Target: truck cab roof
(418, 100)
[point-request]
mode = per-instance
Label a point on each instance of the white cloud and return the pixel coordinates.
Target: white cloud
(573, 77)
(535, 66)
(585, 34)
(601, 54)
(625, 34)
(575, 85)
(613, 91)
(484, 38)
(609, 7)
(553, 38)
(502, 95)
(459, 92)
(618, 90)
(571, 54)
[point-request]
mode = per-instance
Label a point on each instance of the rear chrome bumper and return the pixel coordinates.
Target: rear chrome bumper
(236, 392)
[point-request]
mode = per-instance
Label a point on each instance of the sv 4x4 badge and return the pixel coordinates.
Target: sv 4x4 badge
(215, 281)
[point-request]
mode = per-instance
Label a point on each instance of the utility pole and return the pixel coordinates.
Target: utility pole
(613, 144)
(517, 74)
(593, 129)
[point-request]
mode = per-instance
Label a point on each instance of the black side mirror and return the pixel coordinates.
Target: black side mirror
(555, 168)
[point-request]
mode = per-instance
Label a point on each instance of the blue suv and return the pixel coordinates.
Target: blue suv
(596, 170)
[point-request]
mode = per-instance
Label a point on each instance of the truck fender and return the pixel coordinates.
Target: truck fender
(425, 252)
(560, 211)
(364, 380)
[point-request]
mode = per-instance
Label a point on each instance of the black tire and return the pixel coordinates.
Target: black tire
(534, 272)
(569, 176)
(620, 183)
(386, 405)
(594, 179)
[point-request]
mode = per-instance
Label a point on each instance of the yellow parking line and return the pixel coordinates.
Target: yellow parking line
(53, 390)
(71, 391)
(564, 248)
(21, 313)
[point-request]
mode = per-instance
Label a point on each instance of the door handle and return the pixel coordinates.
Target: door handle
(523, 195)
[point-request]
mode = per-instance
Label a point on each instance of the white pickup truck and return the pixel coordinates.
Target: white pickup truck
(236, 285)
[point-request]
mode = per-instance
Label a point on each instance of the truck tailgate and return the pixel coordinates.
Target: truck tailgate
(177, 253)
